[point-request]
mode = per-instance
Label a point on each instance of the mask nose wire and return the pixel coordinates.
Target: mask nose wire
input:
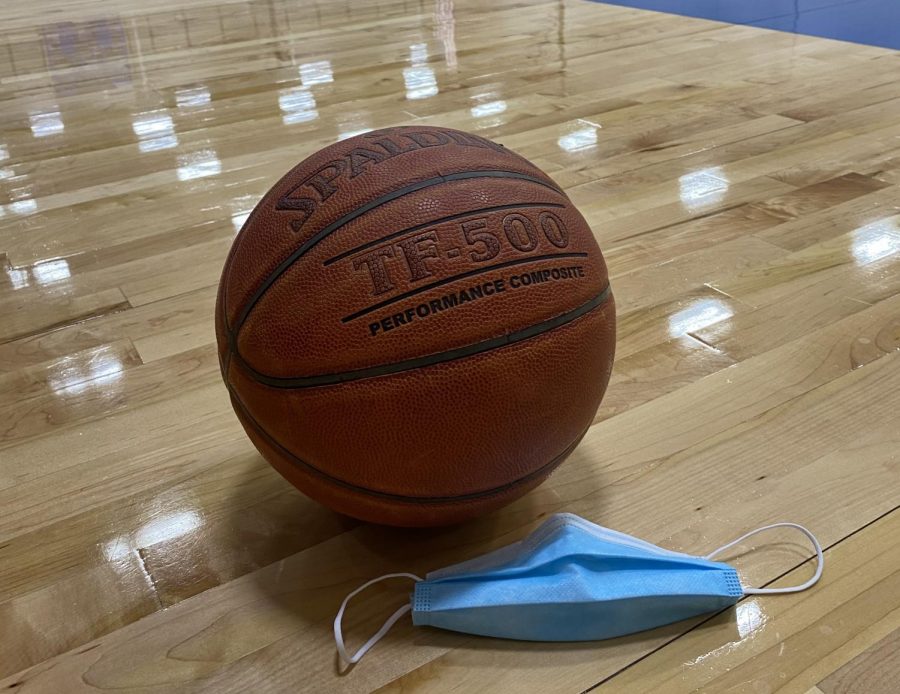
(338, 629)
(820, 559)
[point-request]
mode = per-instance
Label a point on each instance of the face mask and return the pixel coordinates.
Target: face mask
(571, 580)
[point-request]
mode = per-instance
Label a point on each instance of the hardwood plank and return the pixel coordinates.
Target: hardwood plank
(108, 597)
(832, 345)
(743, 185)
(73, 371)
(811, 306)
(657, 370)
(675, 276)
(806, 201)
(247, 619)
(689, 313)
(821, 225)
(19, 321)
(876, 669)
(98, 398)
(783, 644)
(819, 264)
(184, 311)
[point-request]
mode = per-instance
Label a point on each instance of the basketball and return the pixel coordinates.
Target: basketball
(415, 326)
(307, 340)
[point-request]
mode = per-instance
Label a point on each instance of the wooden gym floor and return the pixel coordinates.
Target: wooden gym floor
(745, 187)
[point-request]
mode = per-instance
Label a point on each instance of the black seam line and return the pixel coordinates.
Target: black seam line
(546, 468)
(435, 222)
(454, 278)
(712, 615)
(361, 210)
(431, 359)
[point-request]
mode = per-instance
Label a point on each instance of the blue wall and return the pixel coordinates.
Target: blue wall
(874, 22)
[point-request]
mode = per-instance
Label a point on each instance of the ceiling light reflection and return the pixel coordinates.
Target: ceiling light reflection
(241, 207)
(238, 219)
(162, 529)
(46, 123)
(445, 31)
(200, 164)
(703, 188)
(23, 207)
(192, 97)
(876, 240)
(18, 277)
(418, 53)
(489, 109)
(297, 105)
(167, 527)
(419, 79)
(155, 131)
(749, 618)
(421, 82)
(50, 271)
(75, 374)
(319, 72)
(698, 314)
(581, 138)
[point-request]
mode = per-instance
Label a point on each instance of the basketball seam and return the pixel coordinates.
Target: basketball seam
(456, 278)
(469, 350)
(546, 468)
(241, 236)
(329, 229)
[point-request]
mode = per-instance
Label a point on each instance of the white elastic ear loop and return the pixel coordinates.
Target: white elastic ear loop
(338, 631)
(820, 559)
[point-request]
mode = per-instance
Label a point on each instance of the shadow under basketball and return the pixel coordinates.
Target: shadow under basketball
(316, 557)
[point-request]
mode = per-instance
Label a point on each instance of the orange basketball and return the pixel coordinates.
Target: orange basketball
(415, 326)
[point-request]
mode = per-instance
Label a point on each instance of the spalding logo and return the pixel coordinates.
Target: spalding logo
(304, 199)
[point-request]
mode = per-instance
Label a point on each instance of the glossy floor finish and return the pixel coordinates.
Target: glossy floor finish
(745, 186)
(873, 22)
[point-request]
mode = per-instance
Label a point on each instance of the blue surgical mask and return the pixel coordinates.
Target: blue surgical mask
(572, 580)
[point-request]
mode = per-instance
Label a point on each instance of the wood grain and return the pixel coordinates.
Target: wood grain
(877, 669)
(782, 644)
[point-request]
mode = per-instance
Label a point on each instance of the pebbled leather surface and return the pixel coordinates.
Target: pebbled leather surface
(488, 427)
(267, 237)
(442, 442)
(301, 342)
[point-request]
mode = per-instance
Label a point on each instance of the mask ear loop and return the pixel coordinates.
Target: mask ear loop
(820, 559)
(339, 632)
